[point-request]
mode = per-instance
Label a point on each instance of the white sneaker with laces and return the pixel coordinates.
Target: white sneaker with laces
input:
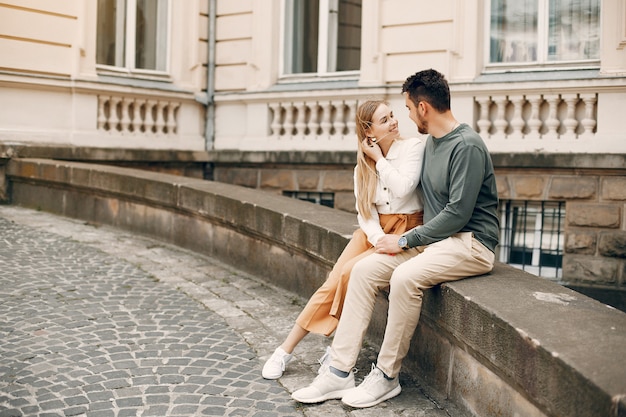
(325, 386)
(324, 361)
(374, 389)
(275, 365)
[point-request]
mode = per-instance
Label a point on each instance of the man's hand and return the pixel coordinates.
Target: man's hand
(388, 244)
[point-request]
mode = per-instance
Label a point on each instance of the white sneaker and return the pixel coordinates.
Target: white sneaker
(324, 361)
(275, 365)
(374, 389)
(325, 386)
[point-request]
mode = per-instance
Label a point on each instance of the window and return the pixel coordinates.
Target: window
(542, 32)
(132, 34)
(531, 236)
(324, 199)
(322, 36)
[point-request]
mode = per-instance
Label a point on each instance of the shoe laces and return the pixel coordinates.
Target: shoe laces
(374, 376)
(280, 359)
(325, 359)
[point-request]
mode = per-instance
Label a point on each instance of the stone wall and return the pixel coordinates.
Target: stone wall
(483, 343)
(593, 187)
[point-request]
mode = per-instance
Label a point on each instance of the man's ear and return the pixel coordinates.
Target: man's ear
(424, 107)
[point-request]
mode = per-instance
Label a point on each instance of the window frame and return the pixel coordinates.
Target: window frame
(544, 245)
(130, 45)
(542, 63)
(327, 44)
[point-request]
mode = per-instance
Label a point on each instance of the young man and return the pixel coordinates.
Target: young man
(457, 240)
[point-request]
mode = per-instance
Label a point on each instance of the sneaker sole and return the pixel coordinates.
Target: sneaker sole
(334, 395)
(394, 392)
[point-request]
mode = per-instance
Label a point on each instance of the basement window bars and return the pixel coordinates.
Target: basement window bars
(532, 236)
(324, 199)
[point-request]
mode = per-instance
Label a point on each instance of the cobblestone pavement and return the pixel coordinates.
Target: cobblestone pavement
(97, 321)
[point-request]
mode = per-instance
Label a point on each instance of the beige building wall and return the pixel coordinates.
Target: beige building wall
(52, 92)
(400, 37)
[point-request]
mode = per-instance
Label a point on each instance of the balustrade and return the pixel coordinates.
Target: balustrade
(314, 119)
(137, 115)
(538, 116)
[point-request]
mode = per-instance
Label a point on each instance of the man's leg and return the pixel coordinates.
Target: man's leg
(451, 259)
(368, 277)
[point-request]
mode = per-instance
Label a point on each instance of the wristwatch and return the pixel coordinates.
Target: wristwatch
(403, 243)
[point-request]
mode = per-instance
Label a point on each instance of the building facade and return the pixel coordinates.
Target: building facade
(268, 88)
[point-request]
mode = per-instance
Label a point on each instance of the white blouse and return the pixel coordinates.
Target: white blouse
(398, 176)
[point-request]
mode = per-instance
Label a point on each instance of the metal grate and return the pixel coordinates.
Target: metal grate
(324, 199)
(532, 236)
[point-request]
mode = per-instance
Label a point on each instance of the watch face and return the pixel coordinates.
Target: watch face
(402, 242)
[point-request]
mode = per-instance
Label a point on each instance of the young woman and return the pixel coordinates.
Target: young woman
(387, 202)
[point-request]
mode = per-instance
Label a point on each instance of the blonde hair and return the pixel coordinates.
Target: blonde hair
(366, 176)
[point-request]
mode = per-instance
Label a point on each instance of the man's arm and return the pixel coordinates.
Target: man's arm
(466, 177)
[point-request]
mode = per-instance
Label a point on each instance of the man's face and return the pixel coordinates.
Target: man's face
(415, 115)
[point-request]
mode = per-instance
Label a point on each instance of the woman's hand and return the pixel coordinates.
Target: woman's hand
(372, 149)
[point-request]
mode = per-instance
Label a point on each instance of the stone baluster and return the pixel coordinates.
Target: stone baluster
(160, 121)
(125, 119)
(589, 120)
(326, 123)
(114, 114)
(150, 117)
(517, 122)
(350, 118)
(144, 116)
(345, 114)
(552, 122)
(136, 120)
(500, 122)
(102, 118)
(170, 120)
(288, 124)
(484, 124)
(316, 119)
(275, 125)
(534, 121)
(570, 121)
(301, 126)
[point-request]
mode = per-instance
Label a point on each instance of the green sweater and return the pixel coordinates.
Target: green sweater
(459, 189)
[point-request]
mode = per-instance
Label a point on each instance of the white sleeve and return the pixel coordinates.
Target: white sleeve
(403, 179)
(371, 226)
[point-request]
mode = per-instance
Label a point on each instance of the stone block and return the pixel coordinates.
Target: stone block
(278, 178)
(308, 180)
(612, 244)
(246, 177)
(528, 187)
(345, 201)
(586, 269)
(593, 215)
(502, 184)
(581, 243)
(613, 188)
(573, 188)
(336, 180)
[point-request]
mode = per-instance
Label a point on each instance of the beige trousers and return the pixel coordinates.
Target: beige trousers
(407, 274)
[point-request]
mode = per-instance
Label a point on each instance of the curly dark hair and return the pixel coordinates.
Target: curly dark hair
(429, 86)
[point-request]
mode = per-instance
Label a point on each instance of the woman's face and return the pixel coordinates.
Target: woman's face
(384, 125)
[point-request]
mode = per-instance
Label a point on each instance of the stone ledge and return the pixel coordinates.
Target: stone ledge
(232, 156)
(504, 344)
